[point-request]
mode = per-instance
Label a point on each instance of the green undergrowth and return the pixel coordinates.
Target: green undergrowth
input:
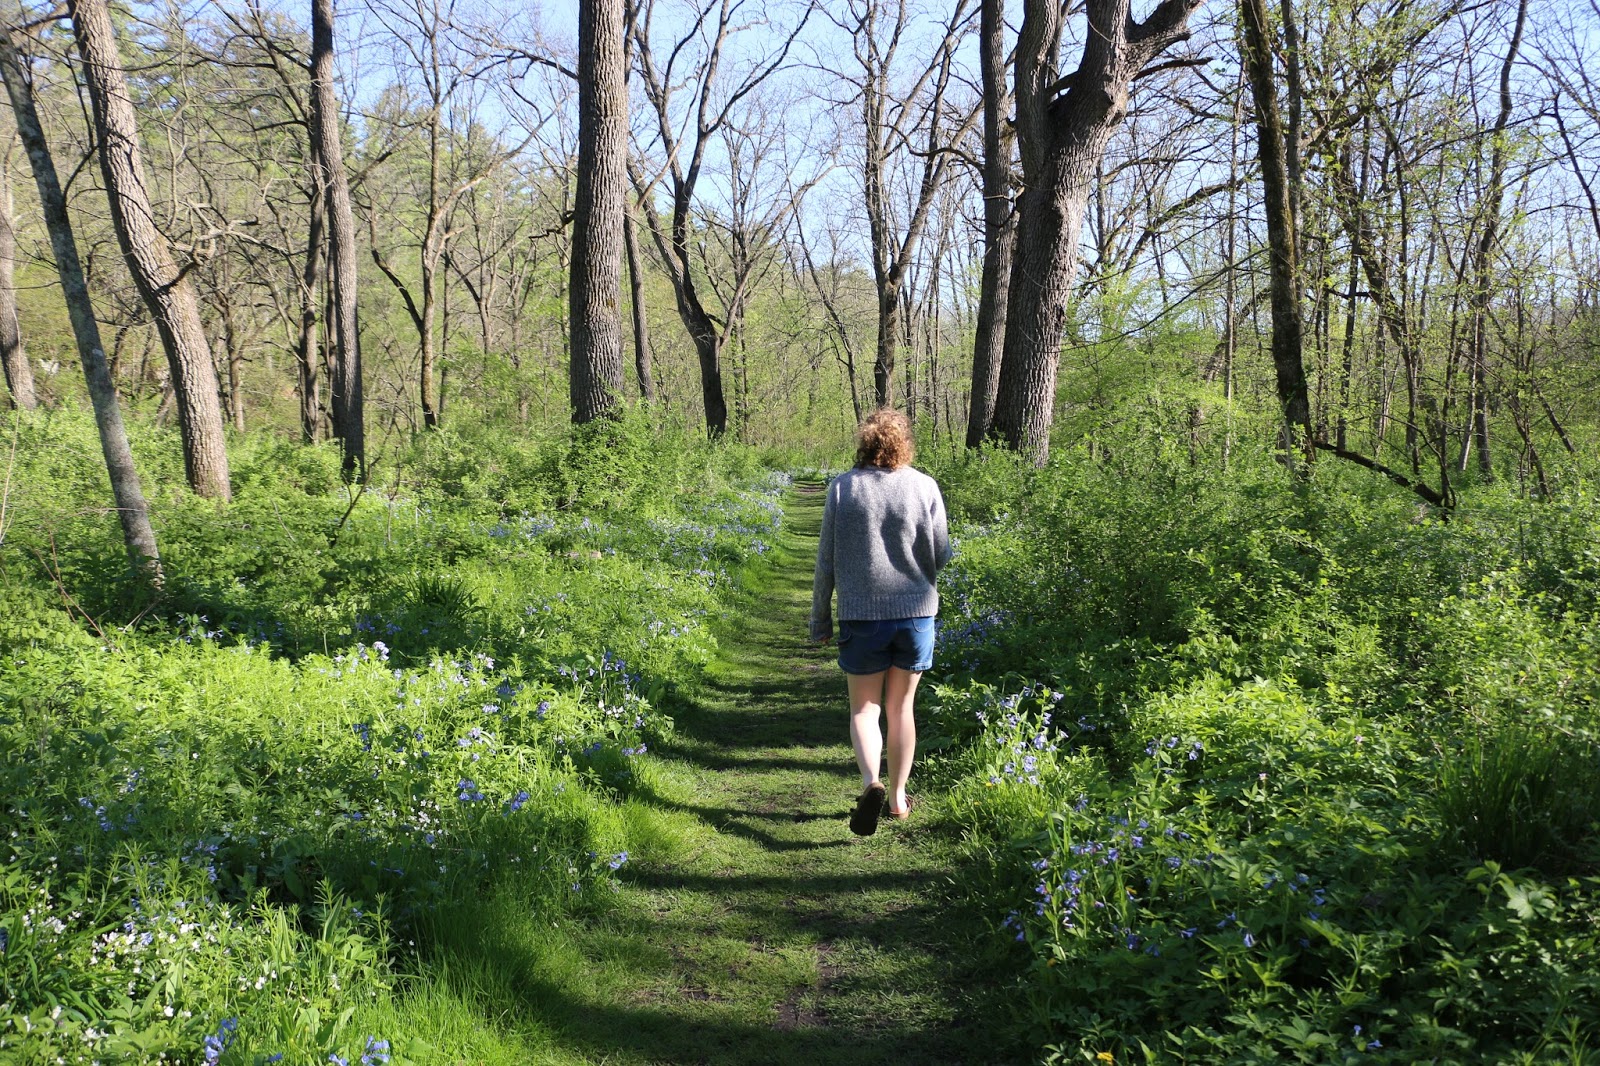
(246, 819)
(1253, 772)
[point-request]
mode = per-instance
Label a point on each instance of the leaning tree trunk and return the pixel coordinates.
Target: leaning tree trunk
(599, 204)
(134, 514)
(1062, 139)
(641, 325)
(166, 290)
(999, 229)
(19, 375)
(346, 409)
(1284, 264)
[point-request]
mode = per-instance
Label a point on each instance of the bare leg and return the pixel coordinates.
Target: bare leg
(902, 726)
(866, 703)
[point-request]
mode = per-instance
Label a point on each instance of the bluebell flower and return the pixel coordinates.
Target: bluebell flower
(216, 1043)
(377, 1052)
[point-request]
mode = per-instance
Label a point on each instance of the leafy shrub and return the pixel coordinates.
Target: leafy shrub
(1254, 772)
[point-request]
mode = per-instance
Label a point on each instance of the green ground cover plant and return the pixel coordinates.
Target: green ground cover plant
(235, 815)
(1258, 774)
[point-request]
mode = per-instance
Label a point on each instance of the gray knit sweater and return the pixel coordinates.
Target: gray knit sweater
(884, 541)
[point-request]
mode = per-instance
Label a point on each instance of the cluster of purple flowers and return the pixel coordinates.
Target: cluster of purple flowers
(1193, 752)
(212, 1047)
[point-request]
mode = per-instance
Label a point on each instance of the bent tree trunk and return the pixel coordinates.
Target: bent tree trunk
(134, 514)
(1062, 139)
(166, 290)
(344, 374)
(596, 379)
(19, 375)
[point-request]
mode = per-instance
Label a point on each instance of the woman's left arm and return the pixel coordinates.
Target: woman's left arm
(942, 551)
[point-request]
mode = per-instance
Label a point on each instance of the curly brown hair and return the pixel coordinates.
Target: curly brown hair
(884, 439)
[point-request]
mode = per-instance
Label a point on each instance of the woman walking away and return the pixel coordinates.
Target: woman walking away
(884, 541)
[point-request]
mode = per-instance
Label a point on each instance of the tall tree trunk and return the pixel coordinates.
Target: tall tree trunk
(428, 396)
(1482, 274)
(999, 228)
(19, 375)
(599, 206)
(641, 324)
(888, 347)
(1062, 139)
(345, 385)
(235, 356)
(166, 290)
(137, 535)
(1284, 267)
(306, 355)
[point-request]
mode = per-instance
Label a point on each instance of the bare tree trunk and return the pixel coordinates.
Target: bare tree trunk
(166, 290)
(599, 207)
(235, 355)
(346, 405)
(641, 325)
(306, 354)
(1287, 342)
(1481, 273)
(999, 226)
(1062, 140)
(132, 511)
(19, 375)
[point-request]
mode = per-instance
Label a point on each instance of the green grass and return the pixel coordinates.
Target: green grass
(750, 925)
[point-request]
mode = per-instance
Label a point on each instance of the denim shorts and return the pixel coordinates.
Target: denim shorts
(871, 647)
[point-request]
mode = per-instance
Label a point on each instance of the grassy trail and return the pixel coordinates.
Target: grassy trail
(752, 927)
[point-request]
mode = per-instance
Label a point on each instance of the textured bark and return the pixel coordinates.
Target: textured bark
(599, 203)
(999, 228)
(306, 354)
(1284, 264)
(1062, 139)
(19, 375)
(132, 512)
(346, 411)
(165, 289)
(641, 325)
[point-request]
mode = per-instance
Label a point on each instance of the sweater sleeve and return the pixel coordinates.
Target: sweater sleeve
(822, 578)
(942, 551)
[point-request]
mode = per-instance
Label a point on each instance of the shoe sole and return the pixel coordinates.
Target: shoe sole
(869, 805)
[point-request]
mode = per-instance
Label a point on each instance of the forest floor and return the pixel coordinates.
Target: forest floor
(753, 927)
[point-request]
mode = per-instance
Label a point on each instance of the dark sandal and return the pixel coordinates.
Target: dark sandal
(869, 805)
(900, 816)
